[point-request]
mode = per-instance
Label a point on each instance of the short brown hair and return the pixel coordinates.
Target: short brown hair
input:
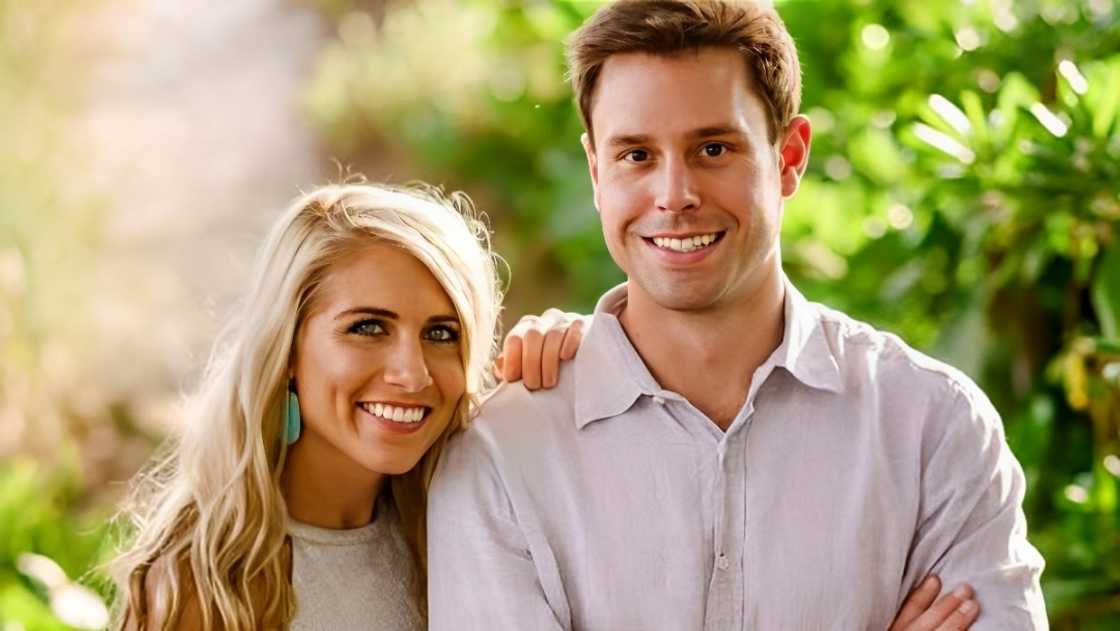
(669, 27)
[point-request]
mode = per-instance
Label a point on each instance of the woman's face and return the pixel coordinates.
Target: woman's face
(377, 365)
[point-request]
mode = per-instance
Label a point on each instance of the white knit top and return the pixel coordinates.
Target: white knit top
(354, 579)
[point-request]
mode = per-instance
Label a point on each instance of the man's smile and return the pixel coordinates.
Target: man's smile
(685, 243)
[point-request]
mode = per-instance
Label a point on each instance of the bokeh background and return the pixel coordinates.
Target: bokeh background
(964, 192)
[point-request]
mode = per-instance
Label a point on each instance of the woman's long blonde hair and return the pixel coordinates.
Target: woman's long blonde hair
(210, 511)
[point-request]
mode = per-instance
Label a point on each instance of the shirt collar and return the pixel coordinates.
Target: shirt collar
(805, 351)
(610, 375)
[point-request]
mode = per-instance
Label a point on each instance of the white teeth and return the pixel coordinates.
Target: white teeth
(394, 413)
(687, 244)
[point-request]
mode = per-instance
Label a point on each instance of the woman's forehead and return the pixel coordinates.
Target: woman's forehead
(384, 276)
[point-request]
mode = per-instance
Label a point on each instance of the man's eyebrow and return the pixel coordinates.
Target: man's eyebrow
(717, 130)
(374, 311)
(626, 140)
(623, 140)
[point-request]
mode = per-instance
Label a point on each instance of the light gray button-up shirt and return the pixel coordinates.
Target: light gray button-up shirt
(856, 467)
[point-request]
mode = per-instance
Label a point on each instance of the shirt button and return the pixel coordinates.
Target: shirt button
(722, 562)
(659, 400)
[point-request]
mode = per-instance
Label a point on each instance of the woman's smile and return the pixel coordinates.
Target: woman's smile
(391, 417)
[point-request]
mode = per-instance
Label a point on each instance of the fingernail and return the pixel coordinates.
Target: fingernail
(967, 607)
(929, 582)
(962, 592)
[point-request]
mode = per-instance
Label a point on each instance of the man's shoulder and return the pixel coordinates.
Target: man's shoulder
(892, 364)
(920, 400)
(513, 415)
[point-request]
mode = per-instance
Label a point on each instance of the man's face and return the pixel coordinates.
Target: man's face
(686, 178)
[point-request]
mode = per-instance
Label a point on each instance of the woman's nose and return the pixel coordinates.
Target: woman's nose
(406, 368)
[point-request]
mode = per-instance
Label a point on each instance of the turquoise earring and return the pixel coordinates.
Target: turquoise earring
(292, 426)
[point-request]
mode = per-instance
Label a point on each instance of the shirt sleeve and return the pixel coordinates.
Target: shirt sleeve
(971, 525)
(481, 574)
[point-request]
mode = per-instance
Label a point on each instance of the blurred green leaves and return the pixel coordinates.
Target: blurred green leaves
(1106, 293)
(41, 512)
(48, 233)
(473, 95)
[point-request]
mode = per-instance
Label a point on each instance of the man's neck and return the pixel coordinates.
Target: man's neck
(709, 356)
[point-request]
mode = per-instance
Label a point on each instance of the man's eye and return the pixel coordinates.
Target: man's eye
(636, 155)
(714, 149)
(442, 334)
(366, 327)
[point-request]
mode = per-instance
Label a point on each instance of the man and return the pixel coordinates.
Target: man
(722, 454)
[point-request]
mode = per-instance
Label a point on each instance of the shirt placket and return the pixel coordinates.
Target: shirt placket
(734, 470)
(725, 593)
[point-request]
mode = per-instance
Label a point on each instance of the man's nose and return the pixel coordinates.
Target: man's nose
(406, 368)
(676, 188)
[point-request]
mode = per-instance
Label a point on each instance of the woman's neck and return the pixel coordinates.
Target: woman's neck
(324, 488)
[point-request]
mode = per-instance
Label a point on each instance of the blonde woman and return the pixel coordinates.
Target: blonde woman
(295, 496)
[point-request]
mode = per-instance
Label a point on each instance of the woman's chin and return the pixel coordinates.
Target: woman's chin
(385, 462)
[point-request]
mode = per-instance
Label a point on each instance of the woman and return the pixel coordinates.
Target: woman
(299, 480)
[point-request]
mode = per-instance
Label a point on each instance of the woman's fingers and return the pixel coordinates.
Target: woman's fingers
(949, 612)
(962, 617)
(531, 347)
(573, 337)
(550, 357)
(917, 602)
(510, 359)
(535, 347)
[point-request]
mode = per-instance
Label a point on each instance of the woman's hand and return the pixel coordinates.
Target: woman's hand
(954, 611)
(535, 346)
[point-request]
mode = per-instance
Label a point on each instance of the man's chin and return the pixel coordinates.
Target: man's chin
(685, 297)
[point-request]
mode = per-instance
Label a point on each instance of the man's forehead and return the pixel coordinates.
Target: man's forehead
(687, 94)
(714, 64)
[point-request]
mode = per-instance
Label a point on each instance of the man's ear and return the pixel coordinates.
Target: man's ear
(592, 164)
(794, 154)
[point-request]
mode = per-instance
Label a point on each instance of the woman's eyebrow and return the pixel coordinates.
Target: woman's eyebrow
(374, 311)
(393, 315)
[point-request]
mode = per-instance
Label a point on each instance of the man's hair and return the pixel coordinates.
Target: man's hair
(671, 27)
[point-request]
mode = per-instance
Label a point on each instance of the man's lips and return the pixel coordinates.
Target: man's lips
(684, 243)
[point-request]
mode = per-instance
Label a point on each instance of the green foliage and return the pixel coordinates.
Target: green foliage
(46, 238)
(41, 513)
(964, 191)
(475, 94)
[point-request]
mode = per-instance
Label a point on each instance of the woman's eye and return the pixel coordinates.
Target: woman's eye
(442, 334)
(367, 327)
(636, 155)
(714, 149)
